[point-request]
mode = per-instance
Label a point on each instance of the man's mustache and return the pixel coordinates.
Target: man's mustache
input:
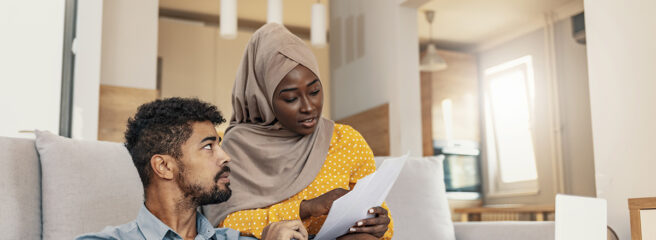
(223, 170)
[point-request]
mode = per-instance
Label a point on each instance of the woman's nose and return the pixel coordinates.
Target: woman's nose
(306, 105)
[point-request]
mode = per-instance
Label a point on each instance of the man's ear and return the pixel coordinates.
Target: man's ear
(163, 166)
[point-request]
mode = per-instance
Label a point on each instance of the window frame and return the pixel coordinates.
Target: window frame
(496, 186)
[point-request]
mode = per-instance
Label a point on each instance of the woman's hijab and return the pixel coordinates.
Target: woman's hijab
(269, 163)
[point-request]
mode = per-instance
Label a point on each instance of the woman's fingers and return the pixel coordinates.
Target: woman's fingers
(380, 220)
(376, 230)
(376, 226)
(378, 211)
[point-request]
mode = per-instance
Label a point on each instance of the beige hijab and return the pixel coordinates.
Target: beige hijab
(269, 163)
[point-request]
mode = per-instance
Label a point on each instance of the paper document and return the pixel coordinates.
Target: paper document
(369, 192)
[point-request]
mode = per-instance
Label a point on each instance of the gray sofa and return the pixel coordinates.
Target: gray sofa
(57, 188)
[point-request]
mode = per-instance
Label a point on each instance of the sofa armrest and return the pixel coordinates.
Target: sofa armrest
(504, 230)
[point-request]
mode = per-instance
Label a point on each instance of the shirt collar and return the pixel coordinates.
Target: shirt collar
(204, 227)
(153, 228)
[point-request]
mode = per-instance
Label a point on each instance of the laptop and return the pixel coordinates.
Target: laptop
(580, 218)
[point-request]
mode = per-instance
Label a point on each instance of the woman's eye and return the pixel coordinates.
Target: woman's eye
(289, 100)
(208, 147)
(314, 93)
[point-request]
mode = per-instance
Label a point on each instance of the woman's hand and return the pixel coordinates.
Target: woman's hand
(376, 226)
(285, 230)
(357, 236)
(320, 205)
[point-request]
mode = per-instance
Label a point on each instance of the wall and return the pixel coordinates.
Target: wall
(129, 43)
(374, 60)
(30, 67)
(574, 97)
(86, 73)
(197, 62)
(621, 65)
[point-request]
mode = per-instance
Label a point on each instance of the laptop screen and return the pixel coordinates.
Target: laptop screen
(580, 218)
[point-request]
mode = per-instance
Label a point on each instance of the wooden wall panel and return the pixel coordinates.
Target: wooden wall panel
(427, 114)
(373, 124)
(117, 104)
(459, 83)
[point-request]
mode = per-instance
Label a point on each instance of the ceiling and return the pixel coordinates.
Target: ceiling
(463, 24)
(459, 24)
(295, 12)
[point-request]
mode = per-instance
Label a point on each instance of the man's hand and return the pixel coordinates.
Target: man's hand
(376, 226)
(320, 205)
(285, 230)
(357, 236)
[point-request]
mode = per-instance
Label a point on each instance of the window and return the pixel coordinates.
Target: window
(509, 103)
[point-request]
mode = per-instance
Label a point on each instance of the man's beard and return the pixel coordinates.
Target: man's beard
(197, 194)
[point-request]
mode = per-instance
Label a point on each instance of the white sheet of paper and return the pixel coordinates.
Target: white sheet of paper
(369, 192)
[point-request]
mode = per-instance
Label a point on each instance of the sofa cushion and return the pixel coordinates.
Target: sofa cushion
(20, 189)
(418, 202)
(86, 185)
(505, 230)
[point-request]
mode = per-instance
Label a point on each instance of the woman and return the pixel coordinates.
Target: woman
(288, 162)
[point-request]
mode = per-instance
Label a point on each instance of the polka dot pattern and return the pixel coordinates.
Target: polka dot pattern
(349, 159)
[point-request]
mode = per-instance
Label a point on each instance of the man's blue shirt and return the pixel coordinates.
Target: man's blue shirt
(147, 226)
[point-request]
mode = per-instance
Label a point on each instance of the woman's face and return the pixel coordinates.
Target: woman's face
(298, 100)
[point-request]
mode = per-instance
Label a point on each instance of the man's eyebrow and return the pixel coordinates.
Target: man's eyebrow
(208, 139)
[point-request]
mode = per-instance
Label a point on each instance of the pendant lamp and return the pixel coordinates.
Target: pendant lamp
(318, 27)
(274, 11)
(431, 61)
(228, 19)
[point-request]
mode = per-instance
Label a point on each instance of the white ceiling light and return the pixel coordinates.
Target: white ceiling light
(274, 11)
(431, 61)
(228, 19)
(318, 28)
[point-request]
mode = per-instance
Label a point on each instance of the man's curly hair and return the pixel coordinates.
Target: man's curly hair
(162, 126)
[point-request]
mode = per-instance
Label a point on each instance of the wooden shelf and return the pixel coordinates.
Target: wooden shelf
(538, 212)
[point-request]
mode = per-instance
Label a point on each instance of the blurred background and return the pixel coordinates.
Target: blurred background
(506, 90)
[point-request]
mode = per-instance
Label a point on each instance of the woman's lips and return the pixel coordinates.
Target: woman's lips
(309, 123)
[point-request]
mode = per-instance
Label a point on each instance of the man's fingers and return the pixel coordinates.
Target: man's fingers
(298, 236)
(296, 229)
(302, 230)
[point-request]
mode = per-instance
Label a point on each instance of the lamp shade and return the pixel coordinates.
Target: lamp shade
(432, 61)
(318, 27)
(274, 11)
(228, 19)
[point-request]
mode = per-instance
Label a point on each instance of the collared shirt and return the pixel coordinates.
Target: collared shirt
(149, 227)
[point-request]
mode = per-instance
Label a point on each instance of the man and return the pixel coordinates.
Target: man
(176, 151)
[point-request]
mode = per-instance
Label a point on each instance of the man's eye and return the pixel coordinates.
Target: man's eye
(208, 147)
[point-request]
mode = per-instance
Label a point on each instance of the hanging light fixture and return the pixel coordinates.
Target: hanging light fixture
(228, 19)
(274, 11)
(431, 61)
(318, 27)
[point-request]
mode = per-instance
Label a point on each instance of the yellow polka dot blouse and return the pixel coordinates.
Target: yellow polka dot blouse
(349, 159)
